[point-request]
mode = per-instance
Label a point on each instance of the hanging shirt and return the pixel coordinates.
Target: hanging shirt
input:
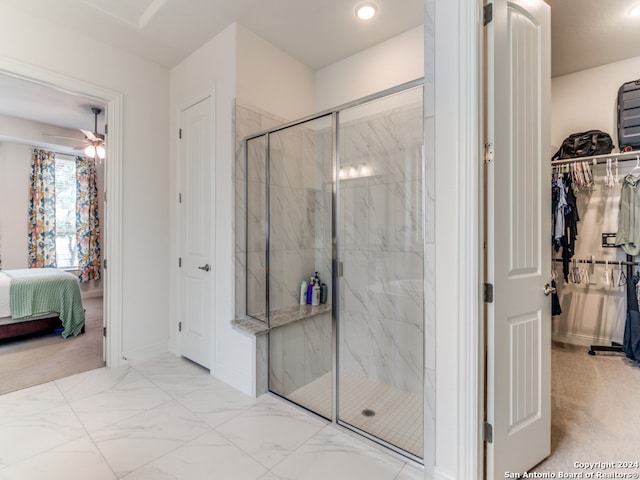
(628, 235)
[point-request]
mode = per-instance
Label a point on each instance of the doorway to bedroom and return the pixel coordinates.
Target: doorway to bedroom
(37, 117)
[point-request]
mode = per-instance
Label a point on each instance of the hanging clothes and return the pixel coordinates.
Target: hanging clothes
(565, 218)
(628, 235)
(631, 339)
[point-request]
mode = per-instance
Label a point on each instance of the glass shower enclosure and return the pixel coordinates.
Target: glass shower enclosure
(335, 239)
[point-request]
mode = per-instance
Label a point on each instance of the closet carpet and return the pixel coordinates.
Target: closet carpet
(39, 359)
(595, 410)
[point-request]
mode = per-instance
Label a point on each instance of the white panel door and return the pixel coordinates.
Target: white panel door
(518, 236)
(196, 234)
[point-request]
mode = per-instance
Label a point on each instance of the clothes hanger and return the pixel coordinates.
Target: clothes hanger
(622, 277)
(636, 170)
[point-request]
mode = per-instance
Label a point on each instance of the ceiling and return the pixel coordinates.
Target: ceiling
(317, 33)
(585, 33)
(589, 33)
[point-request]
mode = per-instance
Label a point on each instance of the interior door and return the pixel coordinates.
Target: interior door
(196, 234)
(518, 233)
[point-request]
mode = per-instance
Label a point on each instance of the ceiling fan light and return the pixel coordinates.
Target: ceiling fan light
(90, 151)
(101, 152)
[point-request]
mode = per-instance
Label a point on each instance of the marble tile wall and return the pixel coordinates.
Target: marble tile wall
(250, 120)
(381, 237)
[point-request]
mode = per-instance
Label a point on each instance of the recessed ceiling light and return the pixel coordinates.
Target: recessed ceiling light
(635, 11)
(366, 11)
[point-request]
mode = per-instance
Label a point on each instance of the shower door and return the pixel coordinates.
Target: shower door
(300, 246)
(380, 249)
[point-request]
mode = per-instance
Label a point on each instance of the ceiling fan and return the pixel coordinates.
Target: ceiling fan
(93, 145)
(94, 140)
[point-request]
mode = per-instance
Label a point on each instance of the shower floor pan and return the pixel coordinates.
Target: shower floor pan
(388, 413)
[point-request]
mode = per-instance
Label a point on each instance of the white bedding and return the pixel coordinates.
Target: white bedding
(5, 303)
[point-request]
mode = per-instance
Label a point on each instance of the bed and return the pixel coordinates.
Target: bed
(39, 299)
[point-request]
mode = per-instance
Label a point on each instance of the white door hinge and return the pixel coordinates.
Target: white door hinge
(488, 153)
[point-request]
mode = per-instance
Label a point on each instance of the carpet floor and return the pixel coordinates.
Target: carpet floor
(594, 410)
(42, 358)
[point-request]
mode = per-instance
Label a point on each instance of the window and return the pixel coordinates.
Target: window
(66, 243)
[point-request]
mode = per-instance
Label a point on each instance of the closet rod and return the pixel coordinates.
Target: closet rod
(599, 159)
(613, 263)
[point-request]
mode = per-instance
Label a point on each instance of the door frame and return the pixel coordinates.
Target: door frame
(458, 247)
(113, 282)
(193, 100)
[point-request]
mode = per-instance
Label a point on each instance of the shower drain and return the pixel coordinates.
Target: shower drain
(367, 412)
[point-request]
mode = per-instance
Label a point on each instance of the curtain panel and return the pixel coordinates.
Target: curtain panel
(87, 220)
(42, 210)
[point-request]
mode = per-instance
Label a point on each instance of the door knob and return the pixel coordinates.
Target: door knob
(548, 290)
(206, 268)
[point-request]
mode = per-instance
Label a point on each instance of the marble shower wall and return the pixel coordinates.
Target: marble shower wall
(300, 244)
(381, 235)
(250, 190)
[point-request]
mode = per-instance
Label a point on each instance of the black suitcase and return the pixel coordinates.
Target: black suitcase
(629, 115)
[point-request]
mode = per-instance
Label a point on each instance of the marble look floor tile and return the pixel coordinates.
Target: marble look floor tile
(208, 457)
(271, 430)
(112, 406)
(97, 381)
(411, 472)
(29, 401)
(139, 440)
(331, 454)
(216, 405)
(176, 375)
(269, 476)
(77, 459)
(30, 435)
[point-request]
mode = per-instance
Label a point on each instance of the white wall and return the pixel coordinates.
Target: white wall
(398, 60)
(145, 88)
(15, 166)
(586, 100)
(271, 80)
(594, 313)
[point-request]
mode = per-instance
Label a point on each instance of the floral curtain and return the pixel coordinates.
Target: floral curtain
(87, 221)
(42, 210)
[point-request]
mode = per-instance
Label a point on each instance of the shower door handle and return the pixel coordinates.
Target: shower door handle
(206, 268)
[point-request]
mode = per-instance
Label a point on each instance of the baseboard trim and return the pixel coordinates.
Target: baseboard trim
(582, 340)
(143, 354)
(438, 474)
(92, 294)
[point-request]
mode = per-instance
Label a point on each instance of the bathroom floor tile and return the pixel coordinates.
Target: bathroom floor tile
(207, 457)
(77, 459)
(271, 430)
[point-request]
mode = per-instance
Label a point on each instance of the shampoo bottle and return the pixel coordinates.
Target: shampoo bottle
(303, 293)
(323, 293)
(310, 291)
(315, 299)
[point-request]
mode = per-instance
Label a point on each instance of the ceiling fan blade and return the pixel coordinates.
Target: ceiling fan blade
(90, 135)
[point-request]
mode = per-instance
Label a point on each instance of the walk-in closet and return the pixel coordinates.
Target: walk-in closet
(595, 385)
